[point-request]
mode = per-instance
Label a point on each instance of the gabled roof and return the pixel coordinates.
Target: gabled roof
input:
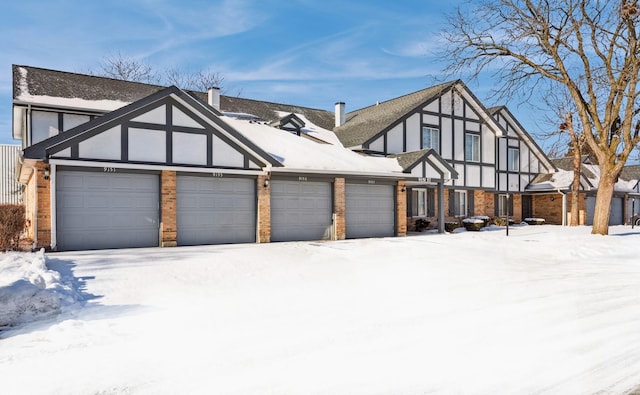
(42, 149)
(34, 83)
(523, 133)
(365, 123)
(409, 160)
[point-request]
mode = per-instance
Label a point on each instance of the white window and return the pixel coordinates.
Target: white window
(431, 139)
(472, 147)
(513, 159)
(43, 125)
(460, 204)
(419, 202)
(504, 204)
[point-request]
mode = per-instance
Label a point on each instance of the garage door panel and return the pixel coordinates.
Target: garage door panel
(216, 210)
(301, 210)
(370, 210)
(93, 214)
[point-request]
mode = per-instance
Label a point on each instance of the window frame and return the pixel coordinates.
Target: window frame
(415, 200)
(472, 147)
(505, 205)
(432, 132)
(458, 198)
(513, 159)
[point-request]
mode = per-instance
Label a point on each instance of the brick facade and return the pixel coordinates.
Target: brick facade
(401, 209)
(264, 210)
(339, 208)
(43, 198)
(168, 209)
(548, 207)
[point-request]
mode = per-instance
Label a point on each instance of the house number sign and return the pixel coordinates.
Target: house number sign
(109, 169)
(302, 178)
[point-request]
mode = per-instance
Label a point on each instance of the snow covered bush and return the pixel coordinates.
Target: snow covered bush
(29, 290)
(11, 226)
(422, 224)
(451, 226)
(473, 223)
(534, 221)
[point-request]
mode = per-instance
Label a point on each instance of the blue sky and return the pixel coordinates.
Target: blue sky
(305, 52)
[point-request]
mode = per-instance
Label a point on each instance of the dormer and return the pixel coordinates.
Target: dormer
(291, 123)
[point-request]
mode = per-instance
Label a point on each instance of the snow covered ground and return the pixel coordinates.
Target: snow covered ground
(547, 310)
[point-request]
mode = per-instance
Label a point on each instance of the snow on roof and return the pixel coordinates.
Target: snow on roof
(314, 130)
(304, 154)
(24, 94)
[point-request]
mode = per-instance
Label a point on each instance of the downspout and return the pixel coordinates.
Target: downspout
(35, 200)
(564, 207)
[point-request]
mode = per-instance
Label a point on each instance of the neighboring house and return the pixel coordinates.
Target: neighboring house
(110, 164)
(494, 157)
(10, 190)
(553, 201)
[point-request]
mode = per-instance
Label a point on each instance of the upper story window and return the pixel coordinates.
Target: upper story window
(431, 138)
(45, 124)
(472, 147)
(513, 159)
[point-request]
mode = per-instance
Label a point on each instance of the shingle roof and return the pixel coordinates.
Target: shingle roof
(408, 159)
(44, 82)
(365, 123)
(631, 172)
(566, 163)
(268, 111)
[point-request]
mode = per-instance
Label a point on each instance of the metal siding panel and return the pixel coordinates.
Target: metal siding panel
(300, 210)
(370, 210)
(106, 210)
(10, 189)
(215, 210)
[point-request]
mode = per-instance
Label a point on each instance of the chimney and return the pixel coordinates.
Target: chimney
(213, 97)
(340, 113)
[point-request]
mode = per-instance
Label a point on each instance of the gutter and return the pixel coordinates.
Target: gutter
(564, 207)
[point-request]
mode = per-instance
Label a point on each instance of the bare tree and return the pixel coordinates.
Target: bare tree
(199, 81)
(588, 47)
(129, 69)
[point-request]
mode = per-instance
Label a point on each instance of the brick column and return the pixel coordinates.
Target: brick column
(168, 209)
(517, 207)
(43, 192)
(401, 208)
(339, 208)
(264, 210)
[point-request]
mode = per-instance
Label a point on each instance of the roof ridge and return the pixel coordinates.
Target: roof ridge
(449, 83)
(94, 76)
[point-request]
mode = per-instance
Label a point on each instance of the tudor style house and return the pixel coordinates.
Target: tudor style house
(494, 157)
(109, 163)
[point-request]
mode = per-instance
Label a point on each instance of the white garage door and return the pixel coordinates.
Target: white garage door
(106, 210)
(615, 215)
(301, 210)
(216, 210)
(370, 210)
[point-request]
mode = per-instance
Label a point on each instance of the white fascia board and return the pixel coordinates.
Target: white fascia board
(134, 166)
(526, 137)
(338, 172)
(221, 130)
(493, 124)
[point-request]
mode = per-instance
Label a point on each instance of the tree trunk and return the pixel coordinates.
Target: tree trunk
(575, 194)
(603, 202)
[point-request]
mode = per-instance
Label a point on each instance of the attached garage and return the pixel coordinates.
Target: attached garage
(615, 215)
(301, 210)
(215, 210)
(106, 210)
(370, 210)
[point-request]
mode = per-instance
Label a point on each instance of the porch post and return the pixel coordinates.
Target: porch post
(441, 207)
